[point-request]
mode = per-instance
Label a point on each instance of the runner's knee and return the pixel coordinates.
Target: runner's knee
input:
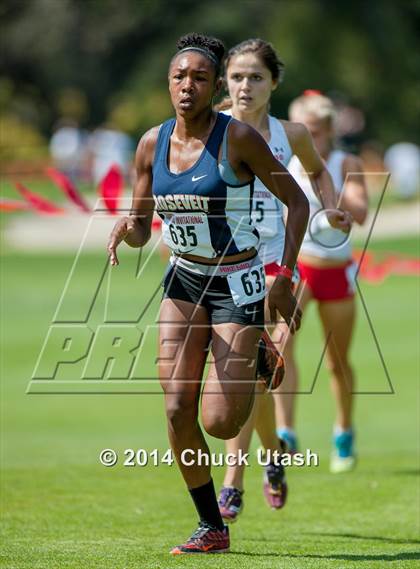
(339, 368)
(222, 424)
(181, 412)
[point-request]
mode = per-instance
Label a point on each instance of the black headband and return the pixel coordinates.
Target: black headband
(202, 50)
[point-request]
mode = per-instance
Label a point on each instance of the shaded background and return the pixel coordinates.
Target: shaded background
(102, 61)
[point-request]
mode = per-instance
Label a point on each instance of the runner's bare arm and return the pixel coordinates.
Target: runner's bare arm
(321, 181)
(253, 152)
(303, 147)
(135, 229)
(354, 196)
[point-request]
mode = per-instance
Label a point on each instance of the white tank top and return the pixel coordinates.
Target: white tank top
(321, 240)
(267, 210)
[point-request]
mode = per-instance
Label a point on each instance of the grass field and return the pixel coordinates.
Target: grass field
(62, 509)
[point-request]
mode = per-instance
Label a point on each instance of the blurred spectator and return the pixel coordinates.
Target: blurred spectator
(68, 148)
(109, 146)
(403, 162)
(372, 155)
(349, 123)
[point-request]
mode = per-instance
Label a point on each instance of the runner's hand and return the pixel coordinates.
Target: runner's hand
(340, 219)
(281, 299)
(122, 228)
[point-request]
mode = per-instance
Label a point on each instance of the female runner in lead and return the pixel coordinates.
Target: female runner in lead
(200, 169)
(327, 270)
(253, 71)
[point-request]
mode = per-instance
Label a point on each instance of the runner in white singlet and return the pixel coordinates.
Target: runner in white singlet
(253, 71)
(327, 275)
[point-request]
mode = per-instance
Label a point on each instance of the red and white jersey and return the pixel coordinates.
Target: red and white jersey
(267, 210)
(267, 213)
(321, 240)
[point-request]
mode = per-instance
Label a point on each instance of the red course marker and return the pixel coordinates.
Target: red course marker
(111, 188)
(69, 189)
(39, 203)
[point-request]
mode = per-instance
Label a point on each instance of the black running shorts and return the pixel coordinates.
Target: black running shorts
(231, 293)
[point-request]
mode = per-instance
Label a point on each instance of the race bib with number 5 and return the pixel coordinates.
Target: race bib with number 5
(266, 214)
(248, 285)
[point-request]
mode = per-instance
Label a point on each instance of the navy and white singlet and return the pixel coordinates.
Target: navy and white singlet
(202, 214)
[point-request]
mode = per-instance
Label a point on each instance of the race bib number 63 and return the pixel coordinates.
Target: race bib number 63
(248, 285)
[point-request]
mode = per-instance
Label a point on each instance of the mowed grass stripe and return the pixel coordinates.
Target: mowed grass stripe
(61, 508)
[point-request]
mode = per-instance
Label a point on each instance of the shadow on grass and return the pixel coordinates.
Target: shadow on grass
(400, 541)
(344, 557)
(406, 472)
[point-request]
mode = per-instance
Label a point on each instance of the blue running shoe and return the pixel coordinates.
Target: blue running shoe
(289, 437)
(343, 458)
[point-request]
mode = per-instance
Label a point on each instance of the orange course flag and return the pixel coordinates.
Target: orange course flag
(13, 205)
